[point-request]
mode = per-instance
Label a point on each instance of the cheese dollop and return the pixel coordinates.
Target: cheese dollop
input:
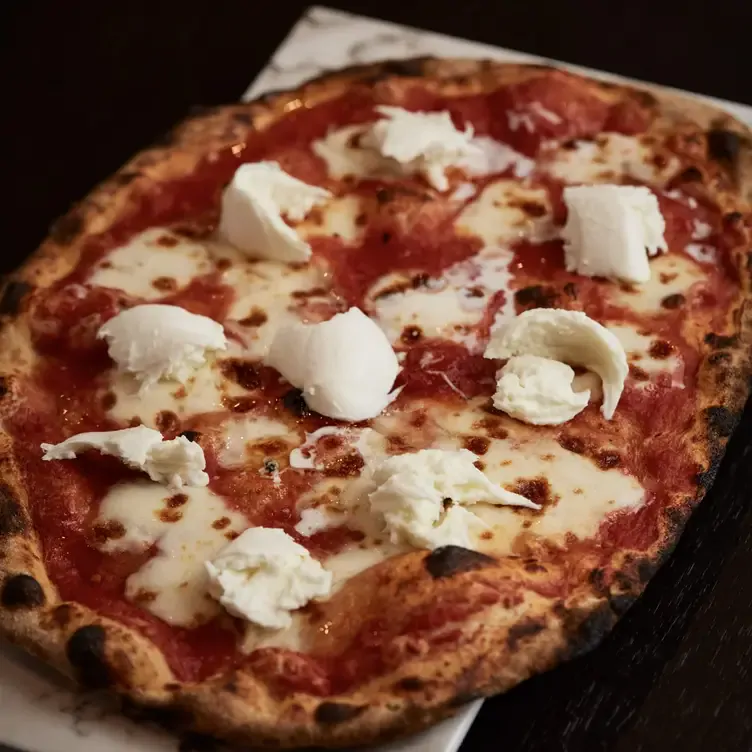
(345, 366)
(423, 143)
(611, 230)
(253, 205)
(421, 497)
(538, 391)
(176, 463)
(154, 342)
(263, 575)
(569, 337)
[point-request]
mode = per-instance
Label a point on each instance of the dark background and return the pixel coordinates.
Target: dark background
(86, 84)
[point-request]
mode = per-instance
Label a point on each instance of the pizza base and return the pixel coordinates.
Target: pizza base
(514, 643)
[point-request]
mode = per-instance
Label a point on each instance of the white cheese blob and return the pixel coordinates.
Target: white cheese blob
(570, 337)
(154, 342)
(253, 205)
(538, 391)
(424, 143)
(263, 575)
(345, 366)
(176, 463)
(609, 229)
(421, 496)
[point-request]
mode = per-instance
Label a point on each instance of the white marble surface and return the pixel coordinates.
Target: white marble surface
(40, 712)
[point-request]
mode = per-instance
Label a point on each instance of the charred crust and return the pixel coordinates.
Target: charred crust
(463, 698)
(719, 358)
(586, 630)
(410, 684)
(4, 386)
(523, 629)
(720, 341)
(86, 653)
(621, 602)
(167, 717)
(190, 435)
(721, 420)
(690, 174)
(295, 403)
(330, 713)
(193, 742)
(597, 578)
(65, 229)
(447, 561)
(12, 518)
(22, 591)
(724, 146)
(12, 297)
(646, 568)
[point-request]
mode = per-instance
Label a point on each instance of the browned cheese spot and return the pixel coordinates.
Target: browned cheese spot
(169, 515)
(257, 317)
(242, 372)
(176, 500)
(411, 334)
(167, 421)
(476, 444)
(108, 530)
(165, 284)
(660, 349)
(221, 523)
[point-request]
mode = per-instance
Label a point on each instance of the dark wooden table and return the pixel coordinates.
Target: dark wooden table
(86, 84)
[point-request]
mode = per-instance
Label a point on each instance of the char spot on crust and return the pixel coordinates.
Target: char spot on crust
(645, 569)
(523, 629)
(414, 66)
(463, 698)
(584, 630)
(22, 591)
(691, 174)
(536, 296)
(330, 713)
(447, 561)
(673, 301)
(724, 146)
(3, 386)
(12, 518)
(721, 420)
(65, 229)
(86, 653)
(410, 684)
(193, 742)
(191, 435)
(13, 294)
(721, 341)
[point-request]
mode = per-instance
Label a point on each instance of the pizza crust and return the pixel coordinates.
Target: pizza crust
(502, 644)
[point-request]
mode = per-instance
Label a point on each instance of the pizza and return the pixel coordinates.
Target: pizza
(335, 410)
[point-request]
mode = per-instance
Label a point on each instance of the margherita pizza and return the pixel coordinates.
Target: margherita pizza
(340, 408)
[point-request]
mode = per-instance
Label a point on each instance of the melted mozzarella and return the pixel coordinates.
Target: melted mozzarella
(608, 158)
(638, 348)
(671, 274)
(152, 263)
(507, 211)
(173, 584)
(447, 307)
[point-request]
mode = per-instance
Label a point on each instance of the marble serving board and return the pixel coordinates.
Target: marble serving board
(39, 710)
